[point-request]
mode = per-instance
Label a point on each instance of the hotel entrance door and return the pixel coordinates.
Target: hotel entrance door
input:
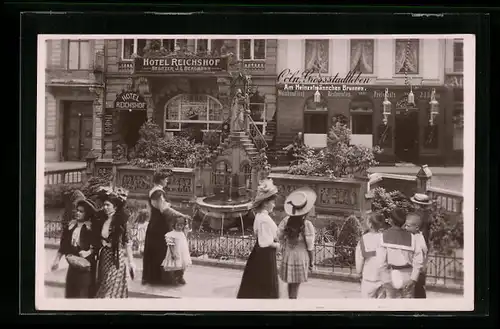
(406, 136)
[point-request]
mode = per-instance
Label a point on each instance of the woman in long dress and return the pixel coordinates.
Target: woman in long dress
(296, 233)
(160, 223)
(260, 277)
(78, 240)
(115, 258)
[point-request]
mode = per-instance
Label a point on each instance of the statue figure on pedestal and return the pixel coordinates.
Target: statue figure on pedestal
(239, 111)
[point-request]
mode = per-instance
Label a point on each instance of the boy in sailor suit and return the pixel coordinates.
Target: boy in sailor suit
(400, 258)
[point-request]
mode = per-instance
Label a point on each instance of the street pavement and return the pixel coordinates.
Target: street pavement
(211, 282)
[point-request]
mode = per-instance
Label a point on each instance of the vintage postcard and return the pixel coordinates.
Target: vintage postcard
(269, 172)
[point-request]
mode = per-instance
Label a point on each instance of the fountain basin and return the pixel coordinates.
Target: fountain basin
(223, 212)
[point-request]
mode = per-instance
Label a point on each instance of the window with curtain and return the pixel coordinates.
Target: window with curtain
(407, 56)
(128, 47)
(317, 55)
(79, 55)
(362, 56)
(458, 55)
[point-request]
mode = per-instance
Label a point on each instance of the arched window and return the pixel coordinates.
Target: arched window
(188, 111)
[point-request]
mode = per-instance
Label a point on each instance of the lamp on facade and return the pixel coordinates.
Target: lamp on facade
(386, 106)
(317, 96)
(411, 96)
(434, 107)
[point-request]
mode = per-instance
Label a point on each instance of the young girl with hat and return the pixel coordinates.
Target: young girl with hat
(260, 277)
(178, 257)
(366, 262)
(297, 235)
(78, 245)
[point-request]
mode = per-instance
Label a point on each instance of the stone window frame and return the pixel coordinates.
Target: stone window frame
(458, 64)
(79, 42)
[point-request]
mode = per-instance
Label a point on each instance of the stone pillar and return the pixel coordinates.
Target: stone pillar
(97, 135)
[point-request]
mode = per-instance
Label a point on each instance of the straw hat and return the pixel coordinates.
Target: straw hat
(265, 190)
(300, 201)
(420, 198)
(87, 204)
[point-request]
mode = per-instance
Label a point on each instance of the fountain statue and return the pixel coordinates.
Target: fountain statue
(224, 184)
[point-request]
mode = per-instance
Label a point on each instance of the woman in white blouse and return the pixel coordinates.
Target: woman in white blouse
(260, 277)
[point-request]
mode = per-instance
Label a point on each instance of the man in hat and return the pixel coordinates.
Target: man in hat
(422, 205)
(400, 258)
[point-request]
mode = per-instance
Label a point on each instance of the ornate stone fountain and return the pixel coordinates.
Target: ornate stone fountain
(225, 183)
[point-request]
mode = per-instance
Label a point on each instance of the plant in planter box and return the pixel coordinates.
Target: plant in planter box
(384, 202)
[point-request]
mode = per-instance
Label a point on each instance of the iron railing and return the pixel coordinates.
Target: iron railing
(257, 137)
(442, 270)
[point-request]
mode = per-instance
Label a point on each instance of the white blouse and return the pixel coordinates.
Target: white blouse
(265, 229)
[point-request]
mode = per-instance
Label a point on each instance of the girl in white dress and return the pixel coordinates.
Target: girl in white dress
(178, 257)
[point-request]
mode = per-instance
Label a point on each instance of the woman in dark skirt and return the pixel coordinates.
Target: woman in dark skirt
(78, 243)
(260, 277)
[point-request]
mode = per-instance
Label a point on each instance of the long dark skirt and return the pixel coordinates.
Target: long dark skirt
(79, 283)
(420, 286)
(155, 250)
(260, 278)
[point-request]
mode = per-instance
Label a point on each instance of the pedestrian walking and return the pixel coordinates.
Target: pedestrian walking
(260, 277)
(78, 246)
(178, 257)
(115, 258)
(366, 262)
(399, 257)
(296, 234)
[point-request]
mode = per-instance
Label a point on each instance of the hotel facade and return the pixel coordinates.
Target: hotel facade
(100, 92)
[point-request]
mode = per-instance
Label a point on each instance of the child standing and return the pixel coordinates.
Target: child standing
(413, 224)
(366, 263)
(178, 257)
(142, 226)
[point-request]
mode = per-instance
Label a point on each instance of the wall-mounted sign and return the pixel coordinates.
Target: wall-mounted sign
(183, 65)
(254, 65)
(303, 78)
(130, 100)
(108, 124)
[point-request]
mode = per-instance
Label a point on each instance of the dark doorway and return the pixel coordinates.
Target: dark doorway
(406, 136)
(130, 124)
(77, 130)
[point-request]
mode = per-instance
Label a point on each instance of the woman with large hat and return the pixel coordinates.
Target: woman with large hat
(115, 258)
(78, 245)
(260, 277)
(296, 233)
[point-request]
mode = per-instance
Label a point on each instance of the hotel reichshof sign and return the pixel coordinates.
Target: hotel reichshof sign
(180, 64)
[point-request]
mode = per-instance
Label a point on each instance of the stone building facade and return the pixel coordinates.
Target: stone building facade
(353, 75)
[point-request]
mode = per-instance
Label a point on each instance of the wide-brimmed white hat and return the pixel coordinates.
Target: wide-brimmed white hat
(420, 198)
(265, 190)
(300, 201)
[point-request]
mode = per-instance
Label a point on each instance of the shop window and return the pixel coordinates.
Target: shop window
(317, 55)
(78, 55)
(315, 123)
(458, 55)
(252, 49)
(407, 56)
(203, 110)
(361, 123)
(362, 52)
